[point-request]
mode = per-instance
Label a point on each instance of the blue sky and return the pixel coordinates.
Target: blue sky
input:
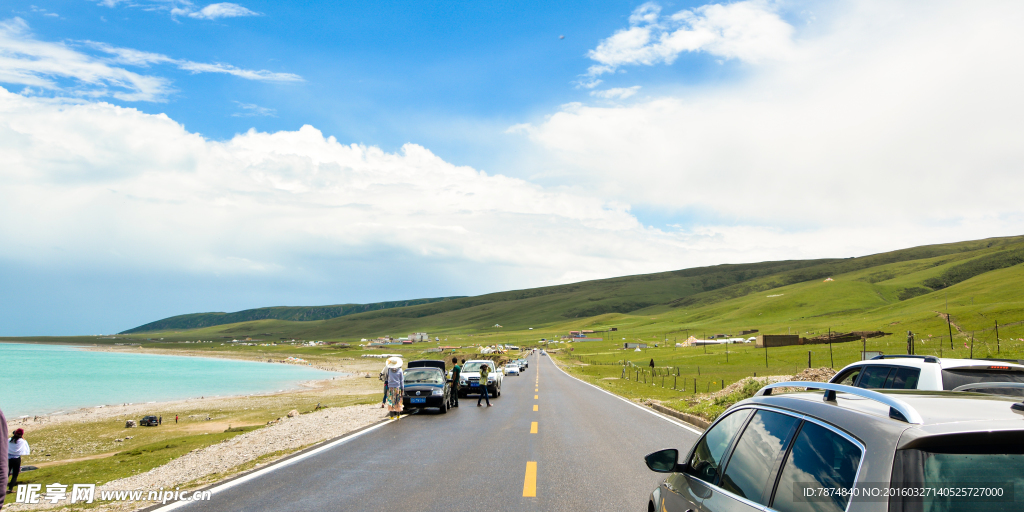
(165, 157)
(451, 77)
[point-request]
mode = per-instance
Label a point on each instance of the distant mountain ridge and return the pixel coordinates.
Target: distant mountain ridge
(734, 294)
(292, 313)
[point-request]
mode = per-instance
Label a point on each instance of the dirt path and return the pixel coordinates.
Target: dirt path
(945, 317)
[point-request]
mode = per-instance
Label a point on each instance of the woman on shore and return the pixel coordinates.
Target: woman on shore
(396, 386)
(16, 448)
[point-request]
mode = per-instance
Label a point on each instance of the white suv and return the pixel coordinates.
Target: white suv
(469, 379)
(931, 373)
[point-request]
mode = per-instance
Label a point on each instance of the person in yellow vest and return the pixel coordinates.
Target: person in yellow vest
(485, 370)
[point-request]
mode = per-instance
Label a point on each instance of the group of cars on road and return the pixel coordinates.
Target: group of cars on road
(428, 383)
(894, 434)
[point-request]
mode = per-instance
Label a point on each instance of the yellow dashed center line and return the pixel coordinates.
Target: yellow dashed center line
(530, 482)
(533, 427)
(534, 408)
(535, 397)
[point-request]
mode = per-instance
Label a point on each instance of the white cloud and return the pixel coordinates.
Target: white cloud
(95, 185)
(620, 93)
(250, 74)
(222, 10)
(25, 60)
(879, 119)
(187, 8)
(252, 110)
(85, 177)
(751, 31)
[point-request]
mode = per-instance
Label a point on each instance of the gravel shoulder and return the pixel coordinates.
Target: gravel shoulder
(216, 462)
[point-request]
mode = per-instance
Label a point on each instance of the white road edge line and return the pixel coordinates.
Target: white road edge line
(642, 408)
(257, 474)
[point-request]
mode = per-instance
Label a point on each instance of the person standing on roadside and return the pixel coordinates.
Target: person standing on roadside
(16, 448)
(175, 419)
(396, 386)
(456, 385)
(3, 455)
(384, 377)
(485, 370)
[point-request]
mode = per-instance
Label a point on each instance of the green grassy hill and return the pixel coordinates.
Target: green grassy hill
(300, 313)
(899, 290)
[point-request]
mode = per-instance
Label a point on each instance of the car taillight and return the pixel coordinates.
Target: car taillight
(998, 367)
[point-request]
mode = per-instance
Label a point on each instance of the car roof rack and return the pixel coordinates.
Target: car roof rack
(927, 359)
(898, 409)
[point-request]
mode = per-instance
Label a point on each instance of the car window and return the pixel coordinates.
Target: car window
(958, 377)
(756, 452)
(903, 378)
(820, 459)
(472, 367)
(424, 376)
(707, 456)
(849, 377)
(874, 376)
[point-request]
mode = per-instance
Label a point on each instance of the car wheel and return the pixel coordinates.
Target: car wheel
(444, 407)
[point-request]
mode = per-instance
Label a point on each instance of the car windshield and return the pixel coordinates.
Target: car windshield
(473, 366)
(510, 365)
(424, 376)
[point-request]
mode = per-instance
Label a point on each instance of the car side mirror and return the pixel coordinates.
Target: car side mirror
(663, 461)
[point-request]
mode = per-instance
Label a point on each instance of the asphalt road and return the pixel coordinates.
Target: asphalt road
(587, 453)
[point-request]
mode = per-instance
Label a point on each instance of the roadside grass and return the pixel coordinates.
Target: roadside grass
(150, 447)
(683, 376)
(125, 463)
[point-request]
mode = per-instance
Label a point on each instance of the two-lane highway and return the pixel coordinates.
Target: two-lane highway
(550, 442)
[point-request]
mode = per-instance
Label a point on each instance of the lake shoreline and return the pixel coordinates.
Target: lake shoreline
(341, 368)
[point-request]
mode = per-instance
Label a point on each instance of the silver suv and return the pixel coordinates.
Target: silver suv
(851, 449)
(932, 373)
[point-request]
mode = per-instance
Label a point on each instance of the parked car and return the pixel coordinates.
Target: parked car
(523, 364)
(470, 378)
(809, 451)
(420, 363)
(427, 386)
(149, 421)
(930, 373)
(512, 369)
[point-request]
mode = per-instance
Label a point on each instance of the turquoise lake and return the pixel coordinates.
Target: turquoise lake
(42, 379)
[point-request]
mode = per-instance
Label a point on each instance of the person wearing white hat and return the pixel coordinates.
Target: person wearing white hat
(396, 386)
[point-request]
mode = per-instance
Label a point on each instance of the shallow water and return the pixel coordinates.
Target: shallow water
(41, 379)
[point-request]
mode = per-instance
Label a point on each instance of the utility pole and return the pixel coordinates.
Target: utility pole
(765, 340)
(949, 323)
(831, 360)
(910, 343)
(997, 336)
